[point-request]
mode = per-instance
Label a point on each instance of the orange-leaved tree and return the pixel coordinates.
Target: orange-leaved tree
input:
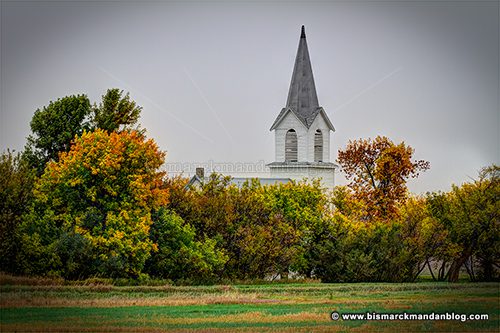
(378, 171)
(92, 209)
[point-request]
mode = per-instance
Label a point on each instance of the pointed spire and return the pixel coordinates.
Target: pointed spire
(302, 98)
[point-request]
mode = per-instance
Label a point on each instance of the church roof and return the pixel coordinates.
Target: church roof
(302, 98)
(288, 165)
(239, 181)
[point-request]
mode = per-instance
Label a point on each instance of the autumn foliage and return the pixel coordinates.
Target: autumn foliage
(102, 207)
(100, 194)
(378, 170)
(264, 230)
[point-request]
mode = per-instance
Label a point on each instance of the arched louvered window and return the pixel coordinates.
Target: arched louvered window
(291, 146)
(318, 146)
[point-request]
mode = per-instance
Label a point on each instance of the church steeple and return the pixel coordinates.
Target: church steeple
(302, 96)
(302, 99)
(302, 129)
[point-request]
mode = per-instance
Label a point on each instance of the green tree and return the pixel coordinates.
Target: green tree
(116, 111)
(469, 214)
(100, 194)
(296, 210)
(178, 255)
(475, 217)
(54, 127)
(426, 241)
(347, 250)
(16, 183)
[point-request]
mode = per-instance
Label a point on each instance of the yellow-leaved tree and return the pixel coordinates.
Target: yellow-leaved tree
(92, 209)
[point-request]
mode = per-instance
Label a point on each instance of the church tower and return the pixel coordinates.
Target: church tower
(302, 128)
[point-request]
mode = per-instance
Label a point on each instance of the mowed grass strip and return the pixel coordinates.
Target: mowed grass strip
(243, 308)
(22, 295)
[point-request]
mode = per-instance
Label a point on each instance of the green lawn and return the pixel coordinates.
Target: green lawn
(268, 307)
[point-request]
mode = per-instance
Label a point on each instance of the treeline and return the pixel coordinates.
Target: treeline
(270, 230)
(87, 198)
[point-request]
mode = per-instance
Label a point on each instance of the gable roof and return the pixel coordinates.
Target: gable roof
(306, 121)
(302, 98)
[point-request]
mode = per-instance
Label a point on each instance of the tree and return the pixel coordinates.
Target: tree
(378, 171)
(104, 190)
(262, 229)
(426, 241)
(487, 204)
(473, 220)
(469, 215)
(440, 208)
(115, 111)
(16, 184)
(345, 202)
(54, 127)
(179, 255)
(296, 210)
(346, 250)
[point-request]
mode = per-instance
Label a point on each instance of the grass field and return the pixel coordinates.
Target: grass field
(244, 308)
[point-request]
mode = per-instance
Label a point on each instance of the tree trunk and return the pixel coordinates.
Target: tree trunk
(441, 271)
(430, 269)
(454, 270)
(468, 267)
(420, 269)
(472, 268)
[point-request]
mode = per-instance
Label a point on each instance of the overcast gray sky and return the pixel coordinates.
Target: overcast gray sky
(212, 76)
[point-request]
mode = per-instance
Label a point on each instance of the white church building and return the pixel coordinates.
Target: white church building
(302, 132)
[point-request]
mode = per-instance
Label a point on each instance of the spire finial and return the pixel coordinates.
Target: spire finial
(303, 32)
